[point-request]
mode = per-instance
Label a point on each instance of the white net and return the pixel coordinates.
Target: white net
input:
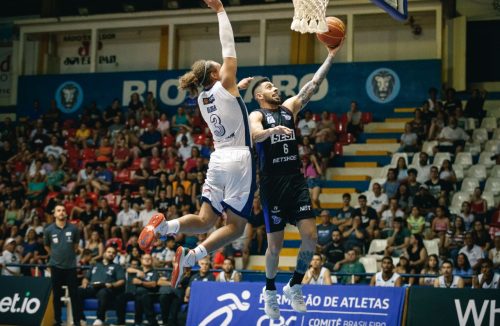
(309, 16)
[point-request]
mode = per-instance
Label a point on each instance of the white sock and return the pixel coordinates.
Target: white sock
(194, 255)
(170, 227)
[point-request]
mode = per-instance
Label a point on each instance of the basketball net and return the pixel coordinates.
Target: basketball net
(309, 16)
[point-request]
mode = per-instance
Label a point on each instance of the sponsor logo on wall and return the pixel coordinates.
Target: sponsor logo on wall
(69, 97)
(383, 85)
(5, 66)
(83, 50)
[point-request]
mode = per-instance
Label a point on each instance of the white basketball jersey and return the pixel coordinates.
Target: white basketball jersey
(379, 281)
(222, 277)
(321, 278)
(493, 284)
(226, 116)
(454, 282)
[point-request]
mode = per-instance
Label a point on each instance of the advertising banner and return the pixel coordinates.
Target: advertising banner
(213, 303)
(462, 307)
(25, 300)
(378, 87)
(5, 71)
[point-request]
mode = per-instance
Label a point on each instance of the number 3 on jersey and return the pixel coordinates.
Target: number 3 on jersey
(219, 129)
(285, 148)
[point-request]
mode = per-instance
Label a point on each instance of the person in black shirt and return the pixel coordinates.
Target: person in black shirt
(334, 251)
(425, 202)
(368, 216)
(145, 283)
(474, 107)
(103, 219)
(324, 229)
(283, 189)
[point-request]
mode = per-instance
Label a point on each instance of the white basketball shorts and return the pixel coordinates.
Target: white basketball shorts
(230, 182)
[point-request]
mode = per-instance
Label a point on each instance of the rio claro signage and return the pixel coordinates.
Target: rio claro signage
(213, 303)
(25, 301)
(377, 86)
(461, 307)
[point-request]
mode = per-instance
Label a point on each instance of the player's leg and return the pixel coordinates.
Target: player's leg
(274, 246)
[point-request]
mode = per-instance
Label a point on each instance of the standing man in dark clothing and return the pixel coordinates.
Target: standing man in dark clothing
(284, 192)
(105, 281)
(145, 283)
(61, 243)
(334, 252)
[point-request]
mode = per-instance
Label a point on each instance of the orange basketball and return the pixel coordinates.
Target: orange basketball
(335, 34)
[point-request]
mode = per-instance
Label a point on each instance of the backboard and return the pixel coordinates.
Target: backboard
(398, 9)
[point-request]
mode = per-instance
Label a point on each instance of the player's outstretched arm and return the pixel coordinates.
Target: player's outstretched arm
(259, 134)
(299, 101)
(229, 66)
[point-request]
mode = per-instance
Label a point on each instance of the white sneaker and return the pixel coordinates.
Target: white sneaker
(294, 294)
(271, 306)
(98, 322)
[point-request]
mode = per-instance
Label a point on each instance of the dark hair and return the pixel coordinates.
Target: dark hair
(258, 83)
(486, 261)
(361, 197)
(348, 195)
(388, 258)
(428, 259)
(412, 170)
(447, 261)
(466, 261)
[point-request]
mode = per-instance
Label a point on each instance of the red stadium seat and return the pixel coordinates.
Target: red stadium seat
(366, 117)
(338, 149)
(334, 117)
(168, 141)
(316, 117)
(340, 127)
(200, 139)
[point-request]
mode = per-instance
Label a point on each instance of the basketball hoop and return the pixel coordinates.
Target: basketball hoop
(309, 16)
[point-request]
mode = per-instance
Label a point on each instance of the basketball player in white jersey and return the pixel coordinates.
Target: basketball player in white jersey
(447, 279)
(386, 277)
(230, 183)
(229, 274)
(317, 274)
(488, 279)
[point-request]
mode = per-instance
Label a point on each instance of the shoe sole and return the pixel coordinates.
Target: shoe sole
(271, 317)
(147, 235)
(178, 268)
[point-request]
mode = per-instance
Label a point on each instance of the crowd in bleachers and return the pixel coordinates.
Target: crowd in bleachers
(436, 200)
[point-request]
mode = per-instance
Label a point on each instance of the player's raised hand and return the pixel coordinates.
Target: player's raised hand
(215, 5)
(333, 51)
(282, 130)
(245, 82)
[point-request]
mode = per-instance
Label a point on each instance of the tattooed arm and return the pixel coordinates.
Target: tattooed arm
(299, 101)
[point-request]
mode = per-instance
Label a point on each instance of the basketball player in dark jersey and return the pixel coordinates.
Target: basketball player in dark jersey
(283, 189)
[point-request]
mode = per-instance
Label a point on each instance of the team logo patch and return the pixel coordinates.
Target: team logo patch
(383, 85)
(276, 219)
(208, 100)
(270, 119)
(286, 116)
(69, 97)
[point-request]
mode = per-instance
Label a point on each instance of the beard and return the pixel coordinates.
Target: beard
(274, 100)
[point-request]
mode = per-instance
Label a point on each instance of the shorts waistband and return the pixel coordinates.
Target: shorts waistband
(232, 148)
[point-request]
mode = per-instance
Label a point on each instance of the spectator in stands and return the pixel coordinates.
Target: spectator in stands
(368, 217)
(447, 279)
(488, 279)
(170, 299)
(403, 267)
(352, 266)
(463, 269)
(334, 251)
(474, 107)
(163, 125)
(105, 281)
(412, 185)
(317, 274)
(452, 138)
(147, 213)
(409, 140)
(425, 202)
(391, 184)
(416, 253)
(202, 275)
(481, 236)
(324, 230)
(103, 179)
(96, 246)
(423, 168)
(479, 206)
(447, 174)
(455, 237)
(419, 127)
(376, 199)
(149, 139)
(229, 274)
(494, 253)
(305, 147)
(255, 229)
(433, 102)
(388, 216)
(343, 219)
(355, 235)
(312, 172)
(146, 285)
(431, 268)
(438, 187)
(415, 221)
(127, 219)
(440, 225)
(398, 239)
(354, 120)
(104, 219)
(165, 257)
(180, 119)
(451, 102)
(307, 126)
(401, 170)
(387, 277)
(473, 252)
(10, 256)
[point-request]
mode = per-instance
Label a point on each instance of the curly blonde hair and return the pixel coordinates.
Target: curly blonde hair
(199, 75)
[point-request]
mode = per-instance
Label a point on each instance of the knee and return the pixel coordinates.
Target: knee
(274, 249)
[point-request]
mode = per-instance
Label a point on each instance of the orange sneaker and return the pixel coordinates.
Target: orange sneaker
(180, 255)
(148, 234)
